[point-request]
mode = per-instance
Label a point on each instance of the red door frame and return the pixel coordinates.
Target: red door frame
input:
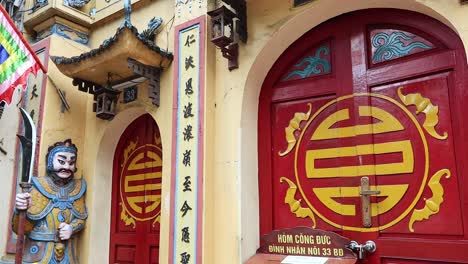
(450, 55)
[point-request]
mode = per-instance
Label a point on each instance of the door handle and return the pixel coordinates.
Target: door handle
(361, 249)
(366, 193)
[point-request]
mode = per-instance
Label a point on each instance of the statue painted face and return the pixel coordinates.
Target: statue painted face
(64, 164)
(61, 161)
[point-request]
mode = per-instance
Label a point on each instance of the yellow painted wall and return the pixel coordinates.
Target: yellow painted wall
(104, 135)
(98, 138)
(70, 124)
(58, 126)
(8, 128)
(231, 191)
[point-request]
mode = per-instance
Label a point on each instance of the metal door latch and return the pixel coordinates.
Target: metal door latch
(366, 193)
(362, 250)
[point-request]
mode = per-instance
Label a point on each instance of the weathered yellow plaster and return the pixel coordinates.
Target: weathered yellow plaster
(8, 128)
(231, 214)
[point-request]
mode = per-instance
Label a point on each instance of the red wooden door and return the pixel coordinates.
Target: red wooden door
(136, 194)
(374, 96)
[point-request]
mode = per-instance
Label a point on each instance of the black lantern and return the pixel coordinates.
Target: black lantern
(222, 26)
(105, 102)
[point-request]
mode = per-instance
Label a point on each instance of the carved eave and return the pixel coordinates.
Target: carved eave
(112, 58)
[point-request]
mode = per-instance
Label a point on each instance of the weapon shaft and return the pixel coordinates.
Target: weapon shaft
(28, 144)
(20, 237)
(25, 187)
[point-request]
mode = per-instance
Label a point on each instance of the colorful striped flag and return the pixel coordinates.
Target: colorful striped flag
(17, 59)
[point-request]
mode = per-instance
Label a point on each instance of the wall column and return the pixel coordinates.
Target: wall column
(190, 154)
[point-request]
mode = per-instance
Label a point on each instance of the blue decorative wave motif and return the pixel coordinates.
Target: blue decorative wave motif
(391, 46)
(313, 67)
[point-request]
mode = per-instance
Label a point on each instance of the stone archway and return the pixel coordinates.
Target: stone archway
(102, 186)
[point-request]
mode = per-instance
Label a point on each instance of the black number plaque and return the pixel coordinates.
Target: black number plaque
(130, 94)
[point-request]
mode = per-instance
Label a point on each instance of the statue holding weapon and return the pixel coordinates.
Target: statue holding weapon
(51, 209)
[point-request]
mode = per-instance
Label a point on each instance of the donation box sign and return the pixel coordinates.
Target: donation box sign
(305, 241)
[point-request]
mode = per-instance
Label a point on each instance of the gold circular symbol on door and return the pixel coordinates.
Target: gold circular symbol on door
(140, 183)
(356, 136)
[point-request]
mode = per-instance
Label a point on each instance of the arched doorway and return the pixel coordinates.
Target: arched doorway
(136, 194)
(369, 98)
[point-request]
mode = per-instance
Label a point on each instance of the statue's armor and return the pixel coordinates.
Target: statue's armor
(51, 205)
